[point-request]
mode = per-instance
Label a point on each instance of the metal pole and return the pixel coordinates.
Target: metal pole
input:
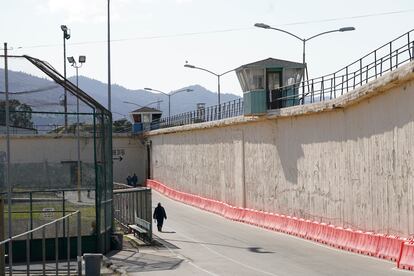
(79, 242)
(78, 136)
(64, 74)
(304, 59)
(57, 247)
(109, 58)
(44, 250)
(28, 254)
(2, 258)
(7, 171)
(218, 95)
(68, 243)
(169, 105)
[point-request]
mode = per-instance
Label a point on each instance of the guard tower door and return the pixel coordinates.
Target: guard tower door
(273, 84)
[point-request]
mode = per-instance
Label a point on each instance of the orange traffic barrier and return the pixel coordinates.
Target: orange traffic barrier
(379, 245)
(406, 256)
(389, 247)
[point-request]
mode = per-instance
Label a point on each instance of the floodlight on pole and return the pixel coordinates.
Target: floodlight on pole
(169, 95)
(66, 36)
(346, 29)
(304, 40)
(109, 52)
(187, 65)
(158, 101)
(71, 60)
(82, 60)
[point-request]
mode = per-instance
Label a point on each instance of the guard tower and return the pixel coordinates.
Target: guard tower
(143, 118)
(269, 84)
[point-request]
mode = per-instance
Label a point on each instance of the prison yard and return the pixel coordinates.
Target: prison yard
(297, 175)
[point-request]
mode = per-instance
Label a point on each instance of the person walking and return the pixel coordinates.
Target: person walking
(159, 215)
(129, 180)
(134, 180)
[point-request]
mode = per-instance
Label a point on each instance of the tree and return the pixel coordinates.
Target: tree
(121, 125)
(20, 114)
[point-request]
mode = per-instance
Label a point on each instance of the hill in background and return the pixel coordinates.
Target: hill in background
(44, 95)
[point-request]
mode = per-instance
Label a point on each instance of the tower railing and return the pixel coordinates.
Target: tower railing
(373, 65)
(211, 113)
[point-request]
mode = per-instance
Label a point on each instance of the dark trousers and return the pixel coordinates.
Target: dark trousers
(159, 224)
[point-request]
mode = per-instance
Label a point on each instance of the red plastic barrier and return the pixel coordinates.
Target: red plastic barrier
(367, 244)
(383, 246)
(406, 258)
(341, 238)
(313, 230)
(389, 247)
(268, 220)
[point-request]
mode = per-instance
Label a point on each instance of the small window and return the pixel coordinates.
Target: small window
(255, 79)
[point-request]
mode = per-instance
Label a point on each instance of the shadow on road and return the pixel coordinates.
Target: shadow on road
(259, 250)
(251, 249)
(132, 261)
(163, 244)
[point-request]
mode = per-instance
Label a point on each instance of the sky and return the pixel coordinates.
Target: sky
(152, 39)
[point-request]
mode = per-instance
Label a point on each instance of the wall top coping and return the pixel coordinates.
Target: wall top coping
(375, 87)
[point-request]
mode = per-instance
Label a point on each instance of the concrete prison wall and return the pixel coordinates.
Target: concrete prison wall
(49, 161)
(347, 161)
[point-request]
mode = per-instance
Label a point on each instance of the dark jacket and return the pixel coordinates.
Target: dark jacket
(159, 213)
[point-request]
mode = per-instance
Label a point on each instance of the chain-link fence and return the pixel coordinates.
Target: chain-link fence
(55, 153)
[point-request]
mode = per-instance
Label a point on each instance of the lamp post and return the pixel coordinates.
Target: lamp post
(304, 40)
(215, 74)
(169, 95)
(159, 101)
(109, 56)
(66, 36)
(82, 60)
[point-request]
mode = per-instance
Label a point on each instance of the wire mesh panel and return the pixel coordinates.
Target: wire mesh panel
(59, 157)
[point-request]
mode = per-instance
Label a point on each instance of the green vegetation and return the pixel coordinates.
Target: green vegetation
(20, 114)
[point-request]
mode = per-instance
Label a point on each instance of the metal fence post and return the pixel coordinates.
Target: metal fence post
(57, 247)
(79, 241)
(68, 243)
(44, 250)
(28, 254)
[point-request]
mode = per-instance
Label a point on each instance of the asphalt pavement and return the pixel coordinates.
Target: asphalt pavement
(195, 242)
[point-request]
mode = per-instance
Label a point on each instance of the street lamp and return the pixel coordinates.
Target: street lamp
(169, 95)
(304, 40)
(158, 101)
(109, 55)
(66, 36)
(82, 60)
(215, 74)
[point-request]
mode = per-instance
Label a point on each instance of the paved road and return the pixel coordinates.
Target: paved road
(201, 243)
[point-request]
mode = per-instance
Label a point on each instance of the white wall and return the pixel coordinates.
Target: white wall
(348, 161)
(43, 159)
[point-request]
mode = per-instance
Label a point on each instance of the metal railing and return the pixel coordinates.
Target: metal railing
(29, 238)
(384, 59)
(132, 206)
(212, 113)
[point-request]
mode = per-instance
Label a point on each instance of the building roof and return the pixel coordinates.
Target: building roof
(146, 109)
(272, 63)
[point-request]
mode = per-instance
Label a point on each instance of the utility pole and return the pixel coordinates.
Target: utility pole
(109, 57)
(2, 253)
(6, 174)
(66, 36)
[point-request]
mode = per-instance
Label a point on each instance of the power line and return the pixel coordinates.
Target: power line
(41, 89)
(348, 17)
(219, 31)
